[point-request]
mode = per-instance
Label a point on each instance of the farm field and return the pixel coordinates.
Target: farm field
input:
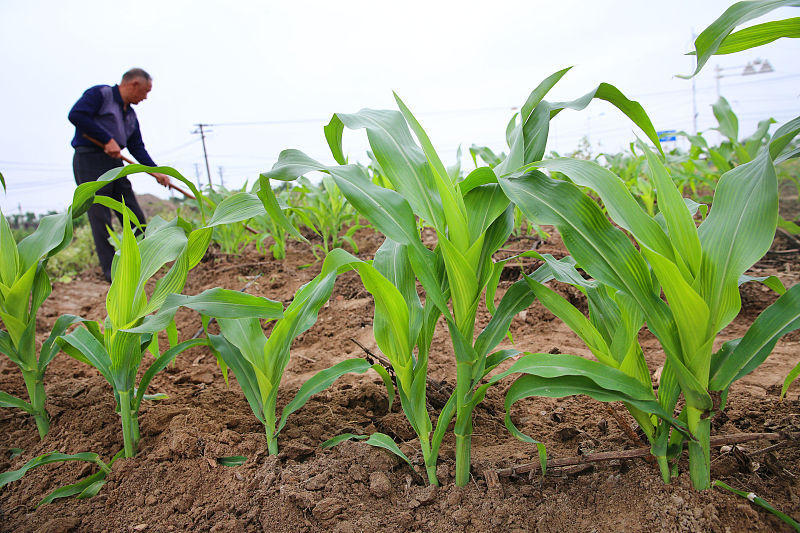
(177, 483)
(388, 340)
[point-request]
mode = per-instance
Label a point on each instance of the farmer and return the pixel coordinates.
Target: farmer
(104, 114)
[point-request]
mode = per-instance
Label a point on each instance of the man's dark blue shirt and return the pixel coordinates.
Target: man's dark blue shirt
(101, 114)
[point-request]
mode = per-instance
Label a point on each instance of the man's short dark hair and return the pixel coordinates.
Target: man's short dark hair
(136, 73)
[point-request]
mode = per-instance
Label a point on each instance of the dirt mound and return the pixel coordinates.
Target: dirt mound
(177, 484)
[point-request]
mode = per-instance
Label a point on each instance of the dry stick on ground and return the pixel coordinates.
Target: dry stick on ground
(634, 438)
(736, 438)
(789, 236)
(247, 286)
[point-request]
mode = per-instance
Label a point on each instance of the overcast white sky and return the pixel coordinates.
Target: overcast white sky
(460, 66)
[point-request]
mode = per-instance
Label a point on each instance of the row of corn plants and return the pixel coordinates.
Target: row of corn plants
(697, 269)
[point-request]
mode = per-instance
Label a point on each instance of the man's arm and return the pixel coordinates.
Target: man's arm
(137, 149)
(82, 113)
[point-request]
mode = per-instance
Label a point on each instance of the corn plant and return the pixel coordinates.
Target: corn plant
(472, 219)
(24, 286)
(117, 347)
(259, 362)
(697, 268)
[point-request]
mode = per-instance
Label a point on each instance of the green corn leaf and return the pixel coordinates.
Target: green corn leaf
(85, 347)
(158, 249)
(242, 369)
(9, 256)
(737, 232)
(728, 122)
(790, 378)
(575, 320)
(119, 207)
(53, 233)
(761, 503)
(338, 439)
(379, 440)
(123, 299)
(333, 134)
(160, 364)
(85, 488)
(759, 35)
(319, 382)
(50, 347)
(714, 36)
(452, 203)
(484, 204)
(617, 199)
(780, 318)
(84, 194)
(773, 282)
(236, 208)
(678, 218)
(47, 458)
(401, 159)
(216, 302)
(2, 181)
(232, 460)
(6, 400)
(274, 211)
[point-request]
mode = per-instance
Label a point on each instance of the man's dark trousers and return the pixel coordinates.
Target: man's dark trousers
(88, 164)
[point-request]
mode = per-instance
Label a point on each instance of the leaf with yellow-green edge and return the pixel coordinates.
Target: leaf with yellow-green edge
(14, 326)
(691, 315)
(574, 319)
(759, 35)
(452, 203)
(17, 299)
(484, 204)
(83, 196)
(616, 197)
(122, 295)
(321, 381)
(728, 122)
(679, 221)
(172, 283)
(462, 279)
(401, 159)
(119, 207)
(9, 256)
(738, 231)
(7, 400)
(333, 134)
(714, 36)
(197, 245)
(780, 318)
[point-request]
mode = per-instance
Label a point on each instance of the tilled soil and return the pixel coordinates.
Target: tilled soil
(176, 484)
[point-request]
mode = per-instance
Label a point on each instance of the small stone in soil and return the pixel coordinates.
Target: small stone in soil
(379, 484)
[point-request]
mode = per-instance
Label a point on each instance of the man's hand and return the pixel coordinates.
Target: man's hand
(112, 149)
(163, 179)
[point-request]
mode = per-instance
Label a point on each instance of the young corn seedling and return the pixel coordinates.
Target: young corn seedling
(472, 219)
(697, 268)
(259, 362)
(116, 347)
(24, 286)
(324, 210)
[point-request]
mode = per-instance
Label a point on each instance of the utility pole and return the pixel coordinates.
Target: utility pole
(694, 95)
(221, 179)
(202, 133)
